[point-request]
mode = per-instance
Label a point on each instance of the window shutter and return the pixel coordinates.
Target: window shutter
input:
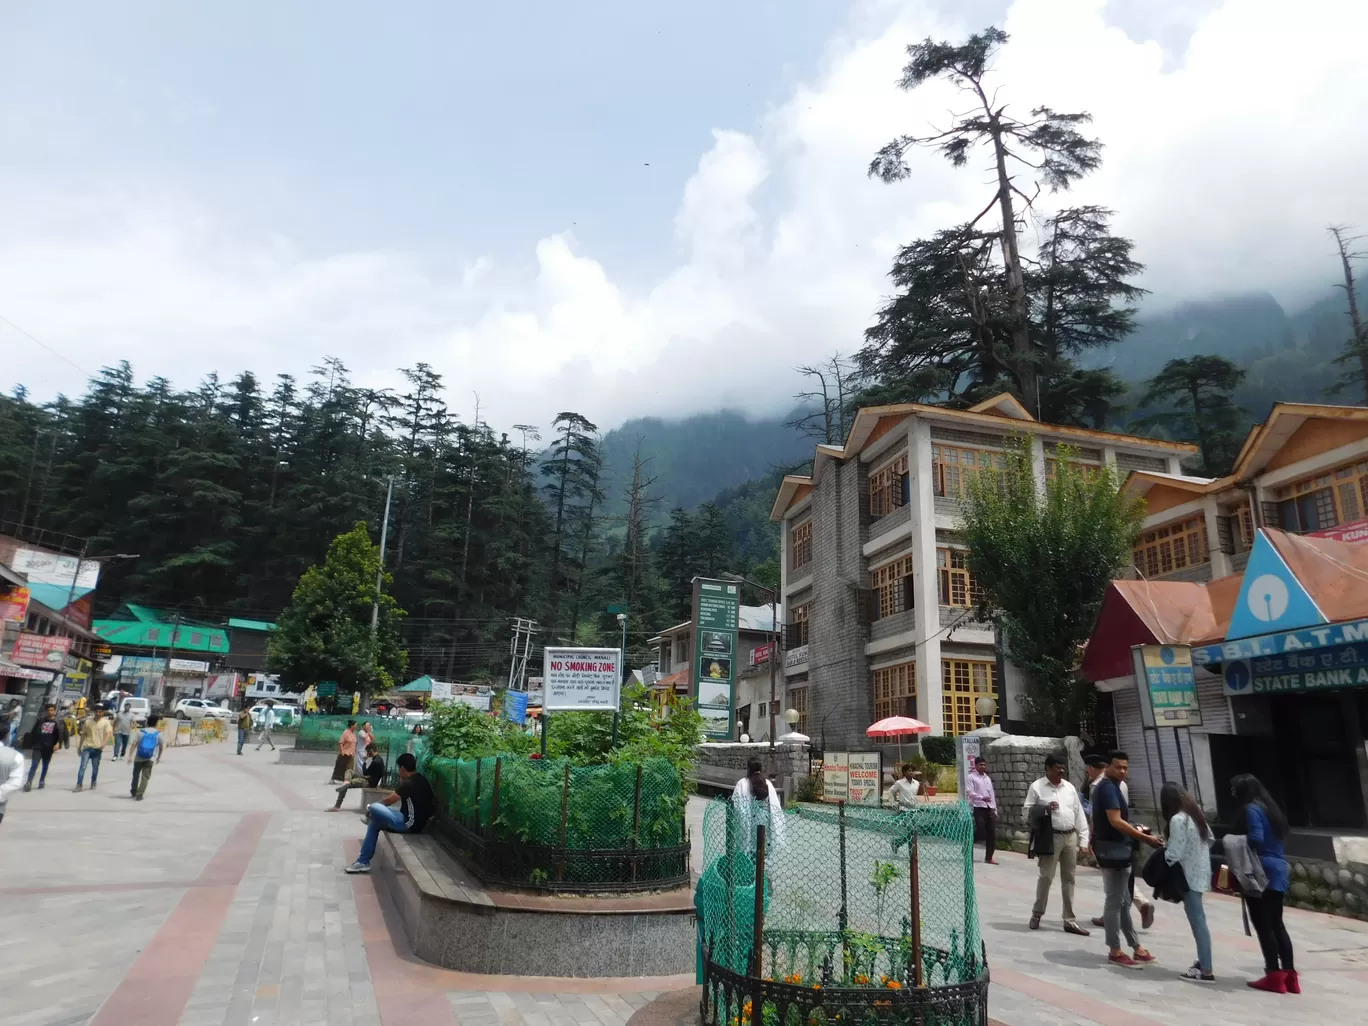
(791, 635)
(1225, 534)
(1271, 514)
(905, 489)
(909, 592)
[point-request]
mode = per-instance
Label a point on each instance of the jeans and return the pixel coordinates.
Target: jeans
(92, 757)
(265, 739)
(242, 739)
(1116, 908)
(120, 745)
(382, 817)
(40, 755)
(1196, 915)
(983, 825)
(1065, 859)
(1266, 913)
(142, 773)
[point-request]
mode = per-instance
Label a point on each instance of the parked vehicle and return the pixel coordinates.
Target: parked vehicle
(198, 708)
(281, 715)
(140, 707)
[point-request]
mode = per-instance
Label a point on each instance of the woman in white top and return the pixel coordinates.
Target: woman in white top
(756, 802)
(1189, 846)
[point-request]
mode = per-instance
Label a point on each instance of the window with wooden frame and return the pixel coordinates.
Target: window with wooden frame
(1339, 496)
(802, 544)
(1173, 547)
(892, 585)
(952, 468)
(895, 691)
(963, 683)
(889, 488)
(798, 626)
(1090, 470)
(798, 703)
(1244, 529)
(957, 584)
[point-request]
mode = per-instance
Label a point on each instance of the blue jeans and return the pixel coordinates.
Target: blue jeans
(39, 755)
(91, 757)
(120, 745)
(242, 739)
(382, 817)
(1196, 916)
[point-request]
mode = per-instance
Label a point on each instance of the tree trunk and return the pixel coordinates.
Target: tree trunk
(1360, 342)
(1026, 373)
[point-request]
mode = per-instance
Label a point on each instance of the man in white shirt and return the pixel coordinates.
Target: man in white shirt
(1070, 826)
(11, 773)
(905, 789)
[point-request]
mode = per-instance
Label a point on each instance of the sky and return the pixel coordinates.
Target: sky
(616, 208)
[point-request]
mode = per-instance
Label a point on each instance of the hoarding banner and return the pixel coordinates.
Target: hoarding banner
(1355, 532)
(1170, 686)
(581, 678)
(221, 685)
(515, 706)
(14, 605)
(864, 778)
(835, 776)
(45, 650)
(1343, 666)
(1328, 636)
(24, 673)
(441, 691)
(49, 568)
(143, 666)
(716, 616)
(191, 666)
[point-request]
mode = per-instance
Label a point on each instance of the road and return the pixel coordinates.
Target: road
(220, 899)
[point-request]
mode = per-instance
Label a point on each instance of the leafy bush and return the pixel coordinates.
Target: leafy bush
(458, 731)
(939, 749)
(947, 780)
(585, 738)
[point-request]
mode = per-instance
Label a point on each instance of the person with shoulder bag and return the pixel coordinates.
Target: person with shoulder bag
(1113, 842)
(1189, 849)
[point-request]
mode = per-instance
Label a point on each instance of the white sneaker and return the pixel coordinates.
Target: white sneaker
(358, 867)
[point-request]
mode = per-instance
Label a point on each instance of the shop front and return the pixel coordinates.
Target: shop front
(1279, 658)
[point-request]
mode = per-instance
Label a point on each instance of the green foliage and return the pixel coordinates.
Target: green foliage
(325, 634)
(458, 731)
(1199, 390)
(1044, 560)
(585, 738)
(938, 749)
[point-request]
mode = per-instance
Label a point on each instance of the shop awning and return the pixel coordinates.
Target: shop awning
(421, 686)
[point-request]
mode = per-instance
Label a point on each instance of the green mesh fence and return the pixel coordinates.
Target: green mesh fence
(547, 824)
(865, 911)
(321, 733)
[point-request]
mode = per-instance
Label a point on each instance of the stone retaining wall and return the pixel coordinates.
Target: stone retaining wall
(790, 760)
(1015, 761)
(1341, 890)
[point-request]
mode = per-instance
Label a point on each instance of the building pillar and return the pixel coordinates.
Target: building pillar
(1038, 462)
(924, 583)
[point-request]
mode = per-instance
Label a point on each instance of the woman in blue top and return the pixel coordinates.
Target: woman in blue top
(1265, 826)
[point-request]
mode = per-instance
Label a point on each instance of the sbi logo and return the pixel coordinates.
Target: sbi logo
(1237, 675)
(1267, 598)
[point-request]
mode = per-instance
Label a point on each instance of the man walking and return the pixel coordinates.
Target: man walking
(123, 730)
(905, 789)
(1096, 765)
(244, 726)
(983, 800)
(96, 733)
(1113, 839)
(1069, 826)
(415, 801)
(267, 722)
(149, 745)
(11, 773)
(42, 741)
(346, 755)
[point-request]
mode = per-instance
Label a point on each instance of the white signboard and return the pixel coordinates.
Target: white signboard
(864, 778)
(581, 678)
(50, 568)
(221, 685)
(441, 690)
(835, 776)
(186, 666)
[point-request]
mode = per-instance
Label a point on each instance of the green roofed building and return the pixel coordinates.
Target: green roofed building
(141, 627)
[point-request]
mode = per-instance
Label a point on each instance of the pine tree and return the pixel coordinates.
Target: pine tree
(1201, 389)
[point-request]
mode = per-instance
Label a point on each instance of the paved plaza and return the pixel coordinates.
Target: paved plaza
(221, 900)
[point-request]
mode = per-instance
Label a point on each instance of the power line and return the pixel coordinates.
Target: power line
(38, 341)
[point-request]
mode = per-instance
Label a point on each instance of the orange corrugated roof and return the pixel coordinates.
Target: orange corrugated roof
(1334, 573)
(673, 681)
(1173, 611)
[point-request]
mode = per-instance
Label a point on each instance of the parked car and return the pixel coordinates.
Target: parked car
(198, 708)
(139, 707)
(281, 715)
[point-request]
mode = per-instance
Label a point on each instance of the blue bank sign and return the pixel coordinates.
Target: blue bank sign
(1309, 639)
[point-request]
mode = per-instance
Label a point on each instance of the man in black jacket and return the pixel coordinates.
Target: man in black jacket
(43, 739)
(375, 772)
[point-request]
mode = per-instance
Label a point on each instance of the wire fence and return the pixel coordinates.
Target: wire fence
(321, 733)
(550, 825)
(852, 913)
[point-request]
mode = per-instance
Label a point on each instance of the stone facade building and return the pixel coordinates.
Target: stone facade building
(874, 579)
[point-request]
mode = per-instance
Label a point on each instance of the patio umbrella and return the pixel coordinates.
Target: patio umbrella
(897, 726)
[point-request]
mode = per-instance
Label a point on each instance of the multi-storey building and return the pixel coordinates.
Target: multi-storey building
(1304, 470)
(875, 582)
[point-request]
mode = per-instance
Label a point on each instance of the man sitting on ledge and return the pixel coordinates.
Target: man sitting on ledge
(414, 799)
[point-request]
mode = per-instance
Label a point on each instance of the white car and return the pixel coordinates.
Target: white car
(139, 707)
(281, 715)
(198, 708)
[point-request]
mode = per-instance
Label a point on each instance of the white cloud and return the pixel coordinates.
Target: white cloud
(1224, 165)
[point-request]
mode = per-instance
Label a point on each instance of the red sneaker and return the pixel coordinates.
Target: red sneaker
(1292, 982)
(1274, 982)
(1141, 955)
(1126, 962)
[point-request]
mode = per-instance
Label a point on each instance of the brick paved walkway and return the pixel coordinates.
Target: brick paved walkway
(220, 900)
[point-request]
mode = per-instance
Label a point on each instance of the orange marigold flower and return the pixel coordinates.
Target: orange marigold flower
(894, 985)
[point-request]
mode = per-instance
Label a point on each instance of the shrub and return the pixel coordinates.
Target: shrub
(939, 749)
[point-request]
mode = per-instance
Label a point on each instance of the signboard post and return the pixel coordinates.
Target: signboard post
(835, 776)
(864, 778)
(716, 616)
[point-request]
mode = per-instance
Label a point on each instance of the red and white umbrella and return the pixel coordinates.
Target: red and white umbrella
(897, 726)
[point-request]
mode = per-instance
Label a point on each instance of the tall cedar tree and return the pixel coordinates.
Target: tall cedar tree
(571, 469)
(1355, 353)
(1199, 389)
(1048, 146)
